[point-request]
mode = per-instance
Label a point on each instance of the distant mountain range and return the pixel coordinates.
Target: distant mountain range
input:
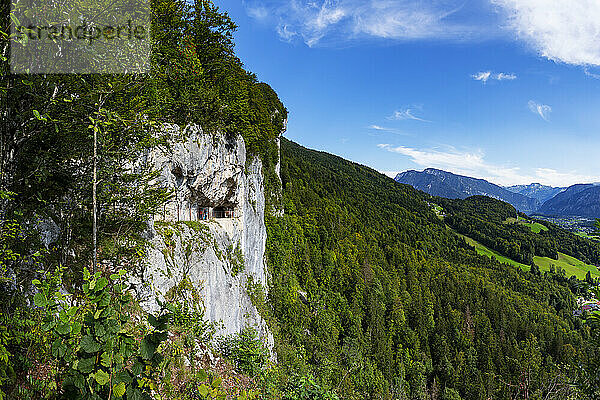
(536, 191)
(582, 200)
(578, 200)
(446, 184)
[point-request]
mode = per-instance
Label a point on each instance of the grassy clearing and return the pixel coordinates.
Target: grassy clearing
(439, 211)
(535, 227)
(571, 265)
(485, 251)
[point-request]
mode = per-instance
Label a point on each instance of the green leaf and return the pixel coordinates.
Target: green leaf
(137, 368)
(48, 326)
(123, 376)
(202, 375)
(63, 328)
(36, 282)
(216, 382)
(102, 377)
(89, 345)
(40, 300)
(15, 20)
(203, 390)
(76, 328)
(36, 113)
(86, 365)
(147, 348)
(119, 389)
(152, 320)
(86, 273)
(101, 284)
(58, 348)
(106, 359)
(133, 394)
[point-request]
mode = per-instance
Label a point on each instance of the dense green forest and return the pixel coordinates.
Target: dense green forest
(371, 295)
(47, 128)
(375, 295)
(488, 221)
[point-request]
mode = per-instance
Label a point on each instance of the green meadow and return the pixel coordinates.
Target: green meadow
(571, 265)
(535, 227)
(485, 251)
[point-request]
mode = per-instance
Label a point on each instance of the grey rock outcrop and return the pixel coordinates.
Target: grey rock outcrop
(218, 255)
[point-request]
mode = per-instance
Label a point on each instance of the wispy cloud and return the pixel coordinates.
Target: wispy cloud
(564, 178)
(560, 30)
(484, 76)
(257, 12)
(379, 128)
(540, 109)
(318, 21)
(473, 163)
(406, 114)
(453, 159)
(591, 74)
(564, 31)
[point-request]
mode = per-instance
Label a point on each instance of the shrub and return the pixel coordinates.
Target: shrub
(248, 352)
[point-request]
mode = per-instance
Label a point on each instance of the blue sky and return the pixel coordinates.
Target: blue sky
(506, 90)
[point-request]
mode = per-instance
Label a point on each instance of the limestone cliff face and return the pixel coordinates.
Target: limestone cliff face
(218, 255)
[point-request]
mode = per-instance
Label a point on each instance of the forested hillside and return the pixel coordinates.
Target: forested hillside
(371, 295)
(372, 292)
(492, 223)
(48, 124)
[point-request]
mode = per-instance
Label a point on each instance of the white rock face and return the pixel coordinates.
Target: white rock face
(207, 170)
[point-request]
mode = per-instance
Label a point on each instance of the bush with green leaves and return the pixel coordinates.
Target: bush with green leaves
(450, 394)
(306, 388)
(248, 352)
(94, 342)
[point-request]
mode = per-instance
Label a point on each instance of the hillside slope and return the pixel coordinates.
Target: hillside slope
(445, 184)
(577, 200)
(371, 292)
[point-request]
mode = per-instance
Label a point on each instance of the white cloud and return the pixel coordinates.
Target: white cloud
(390, 174)
(560, 30)
(458, 161)
(591, 74)
(285, 33)
(564, 178)
(484, 76)
(259, 12)
(385, 129)
(540, 109)
(474, 164)
(406, 114)
(505, 77)
(317, 21)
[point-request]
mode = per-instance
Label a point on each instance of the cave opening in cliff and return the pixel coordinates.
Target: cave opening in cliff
(223, 212)
(206, 213)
